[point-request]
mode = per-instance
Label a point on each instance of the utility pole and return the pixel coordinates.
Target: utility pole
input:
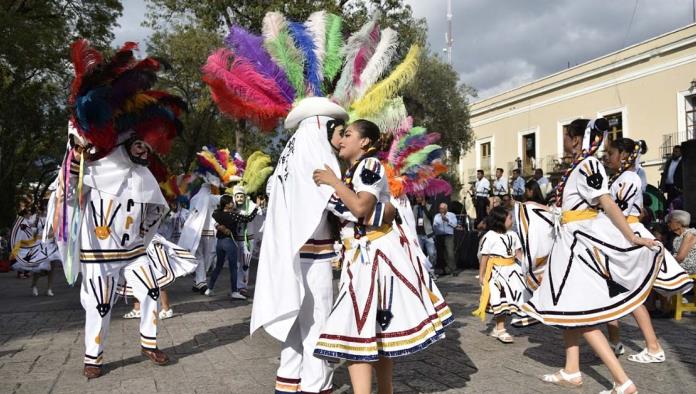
(448, 36)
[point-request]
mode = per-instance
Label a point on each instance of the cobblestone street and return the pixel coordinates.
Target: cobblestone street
(41, 350)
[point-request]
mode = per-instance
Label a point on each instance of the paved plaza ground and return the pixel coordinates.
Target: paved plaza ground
(41, 350)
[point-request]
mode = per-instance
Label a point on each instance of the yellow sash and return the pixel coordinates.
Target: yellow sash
(353, 243)
(573, 216)
(632, 219)
(486, 291)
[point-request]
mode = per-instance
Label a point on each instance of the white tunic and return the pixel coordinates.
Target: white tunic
(483, 187)
(500, 186)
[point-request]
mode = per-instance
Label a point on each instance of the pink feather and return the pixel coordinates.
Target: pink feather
(365, 53)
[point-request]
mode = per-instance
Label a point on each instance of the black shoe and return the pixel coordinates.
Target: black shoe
(195, 289)
(203, 289)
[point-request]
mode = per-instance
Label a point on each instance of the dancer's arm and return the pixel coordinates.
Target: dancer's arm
(619, 220)
(360, 204)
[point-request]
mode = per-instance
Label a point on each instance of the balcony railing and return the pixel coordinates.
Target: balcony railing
(669, 141)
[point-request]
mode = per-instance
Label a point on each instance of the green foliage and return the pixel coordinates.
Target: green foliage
(437, 100)
(34, 75)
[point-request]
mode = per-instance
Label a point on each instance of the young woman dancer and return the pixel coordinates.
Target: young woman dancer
(500, 276)
(384, 308)
(623, 156)
(598, 269)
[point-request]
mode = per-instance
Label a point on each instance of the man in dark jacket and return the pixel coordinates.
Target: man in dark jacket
(671, 181)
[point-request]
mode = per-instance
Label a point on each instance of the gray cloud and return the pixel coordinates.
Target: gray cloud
(130, 28)
(499, 45)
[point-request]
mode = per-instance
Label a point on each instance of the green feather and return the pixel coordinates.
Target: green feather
(417, 158)
(289, 58)
(333, 60)
(415, 131)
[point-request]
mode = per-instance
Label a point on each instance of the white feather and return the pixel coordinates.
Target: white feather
(273, 24)
(316, 24)
(350, 51)
(379, 62)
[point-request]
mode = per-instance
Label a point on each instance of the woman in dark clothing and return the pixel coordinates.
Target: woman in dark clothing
(533, 192)
(227, 220)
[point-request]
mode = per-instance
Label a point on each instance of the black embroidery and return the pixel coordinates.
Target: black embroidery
(369, 177)
(594, 178)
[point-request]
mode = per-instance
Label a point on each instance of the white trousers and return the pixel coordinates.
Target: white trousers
(98, 295)
(299, 370)
(205, 255)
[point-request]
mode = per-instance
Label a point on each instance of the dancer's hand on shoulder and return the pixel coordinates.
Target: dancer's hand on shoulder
(325, 176)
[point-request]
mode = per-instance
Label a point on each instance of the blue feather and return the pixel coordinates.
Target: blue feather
(435, 154)
(93, 108)
(303, 41)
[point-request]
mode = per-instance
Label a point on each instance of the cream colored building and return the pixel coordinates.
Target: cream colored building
(647, 91)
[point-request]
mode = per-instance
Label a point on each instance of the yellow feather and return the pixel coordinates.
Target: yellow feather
(378, 96)
(138, 102)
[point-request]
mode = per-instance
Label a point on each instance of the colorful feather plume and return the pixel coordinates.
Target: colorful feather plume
(176, 188)
(390, 118)
(375, 99)
(279, 44)
(413, 163)
(250, 46)
(312, 66)
(258, 170)
(115, 97)
(359, 47)
(241, 91)
(216, 162)
(378, 63)
(334, 45)
(316, 26)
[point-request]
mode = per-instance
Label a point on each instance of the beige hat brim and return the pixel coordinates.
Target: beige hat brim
(314, 106)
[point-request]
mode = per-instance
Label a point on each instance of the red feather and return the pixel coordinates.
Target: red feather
(84, 59)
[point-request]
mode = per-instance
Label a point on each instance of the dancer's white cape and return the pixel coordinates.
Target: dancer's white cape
(295, 208)
(200, 215)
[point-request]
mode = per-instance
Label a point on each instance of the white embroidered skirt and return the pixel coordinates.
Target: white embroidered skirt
(593, 275)
(387, 304)
(507, 289)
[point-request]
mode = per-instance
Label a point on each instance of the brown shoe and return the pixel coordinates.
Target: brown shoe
(92, 371)
(156, 356)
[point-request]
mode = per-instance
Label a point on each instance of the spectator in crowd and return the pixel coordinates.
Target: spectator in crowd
(532, 192)
(424, 228)
(671, 181)
(482, 190)
(506, 201)
(685, 241)
(444, 224)
(500, 184)
(543, 182)
(517, 185)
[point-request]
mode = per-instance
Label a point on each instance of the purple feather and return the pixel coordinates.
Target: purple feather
(251, 47)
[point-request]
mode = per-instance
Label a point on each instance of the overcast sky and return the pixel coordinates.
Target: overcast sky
(501, 44)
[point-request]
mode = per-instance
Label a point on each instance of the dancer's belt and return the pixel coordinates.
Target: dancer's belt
(350, 243)
(632, 219)
(574, 216)
(486, 291)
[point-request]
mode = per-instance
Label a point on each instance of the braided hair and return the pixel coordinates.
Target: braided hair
(577, 129)
(633, 148)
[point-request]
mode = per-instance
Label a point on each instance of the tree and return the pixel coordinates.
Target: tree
(186, 48)
(438, 101)
(34, 76)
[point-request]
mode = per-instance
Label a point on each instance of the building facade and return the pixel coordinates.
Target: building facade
(647, 91)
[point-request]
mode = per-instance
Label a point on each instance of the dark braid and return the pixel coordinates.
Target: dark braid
(577, 129)
(634, 148)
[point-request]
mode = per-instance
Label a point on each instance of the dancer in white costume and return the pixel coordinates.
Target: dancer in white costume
(623, 157)
(198, 233)
(33, 254)
(384, 308)
(500, 276)
(598, 270)
(108, 205)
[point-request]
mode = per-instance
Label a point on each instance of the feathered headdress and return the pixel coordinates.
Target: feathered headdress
(111, 100)
(176, 188)
(258, 78)
(258, 170)
(217, 166)
(413, 163)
